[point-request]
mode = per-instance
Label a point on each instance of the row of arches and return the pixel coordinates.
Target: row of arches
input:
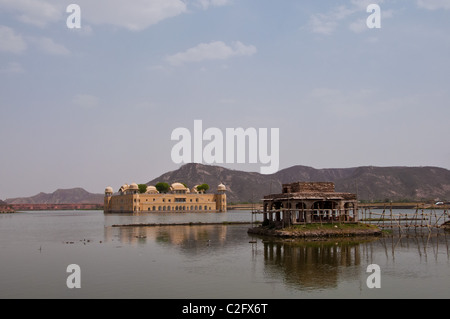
(179, 208)
(311, 211)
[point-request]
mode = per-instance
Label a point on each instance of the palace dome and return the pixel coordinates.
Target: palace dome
(109, 190)
(221, 187)
(151, 190)
(134, 186)
(194, 189)
(178, 186)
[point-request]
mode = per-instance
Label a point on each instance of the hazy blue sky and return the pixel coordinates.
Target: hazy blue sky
(96, 106)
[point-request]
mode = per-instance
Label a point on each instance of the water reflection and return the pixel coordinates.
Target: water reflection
(241, 262)
(208, 261)
(311, 265)
(319, 265)
(424, 244)
(184, 236)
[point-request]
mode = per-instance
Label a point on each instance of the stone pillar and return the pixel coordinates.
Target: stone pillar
(308, 216)
(341, 211)
(294, 212)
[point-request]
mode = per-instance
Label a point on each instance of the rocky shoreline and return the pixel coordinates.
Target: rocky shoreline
(317, 232)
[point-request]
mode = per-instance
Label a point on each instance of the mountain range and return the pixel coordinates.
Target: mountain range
(60, 196)
(369, 182)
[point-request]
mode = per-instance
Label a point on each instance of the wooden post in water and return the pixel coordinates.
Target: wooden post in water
(429, 221)
(416, 216)
(391, 215)
(421, 219)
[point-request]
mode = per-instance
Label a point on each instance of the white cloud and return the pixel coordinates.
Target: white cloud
(321, 24)
(328, 23)
(434, 4)
(358, 26)
(205, 4)
(10, 41)
(136, 16)
(14, 43)
(35, 12)
(362, 4)
(49, 46)
(217, 50)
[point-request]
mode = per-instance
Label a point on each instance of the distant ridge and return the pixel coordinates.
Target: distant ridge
(369, 182)
(60, 196)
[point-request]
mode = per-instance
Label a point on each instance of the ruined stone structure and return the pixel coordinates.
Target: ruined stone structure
(306, 203)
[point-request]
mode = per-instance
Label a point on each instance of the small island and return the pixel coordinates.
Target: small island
(305, 210)
(317, 230)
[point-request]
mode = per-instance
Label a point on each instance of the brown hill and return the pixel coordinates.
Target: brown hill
(60, 196)
(370, 183)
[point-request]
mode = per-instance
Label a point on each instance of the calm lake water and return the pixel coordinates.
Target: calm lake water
(207, 261)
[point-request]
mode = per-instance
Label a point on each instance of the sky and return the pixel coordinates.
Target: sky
(96, 106)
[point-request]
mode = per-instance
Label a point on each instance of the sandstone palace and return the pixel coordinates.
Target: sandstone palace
(179, 198)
